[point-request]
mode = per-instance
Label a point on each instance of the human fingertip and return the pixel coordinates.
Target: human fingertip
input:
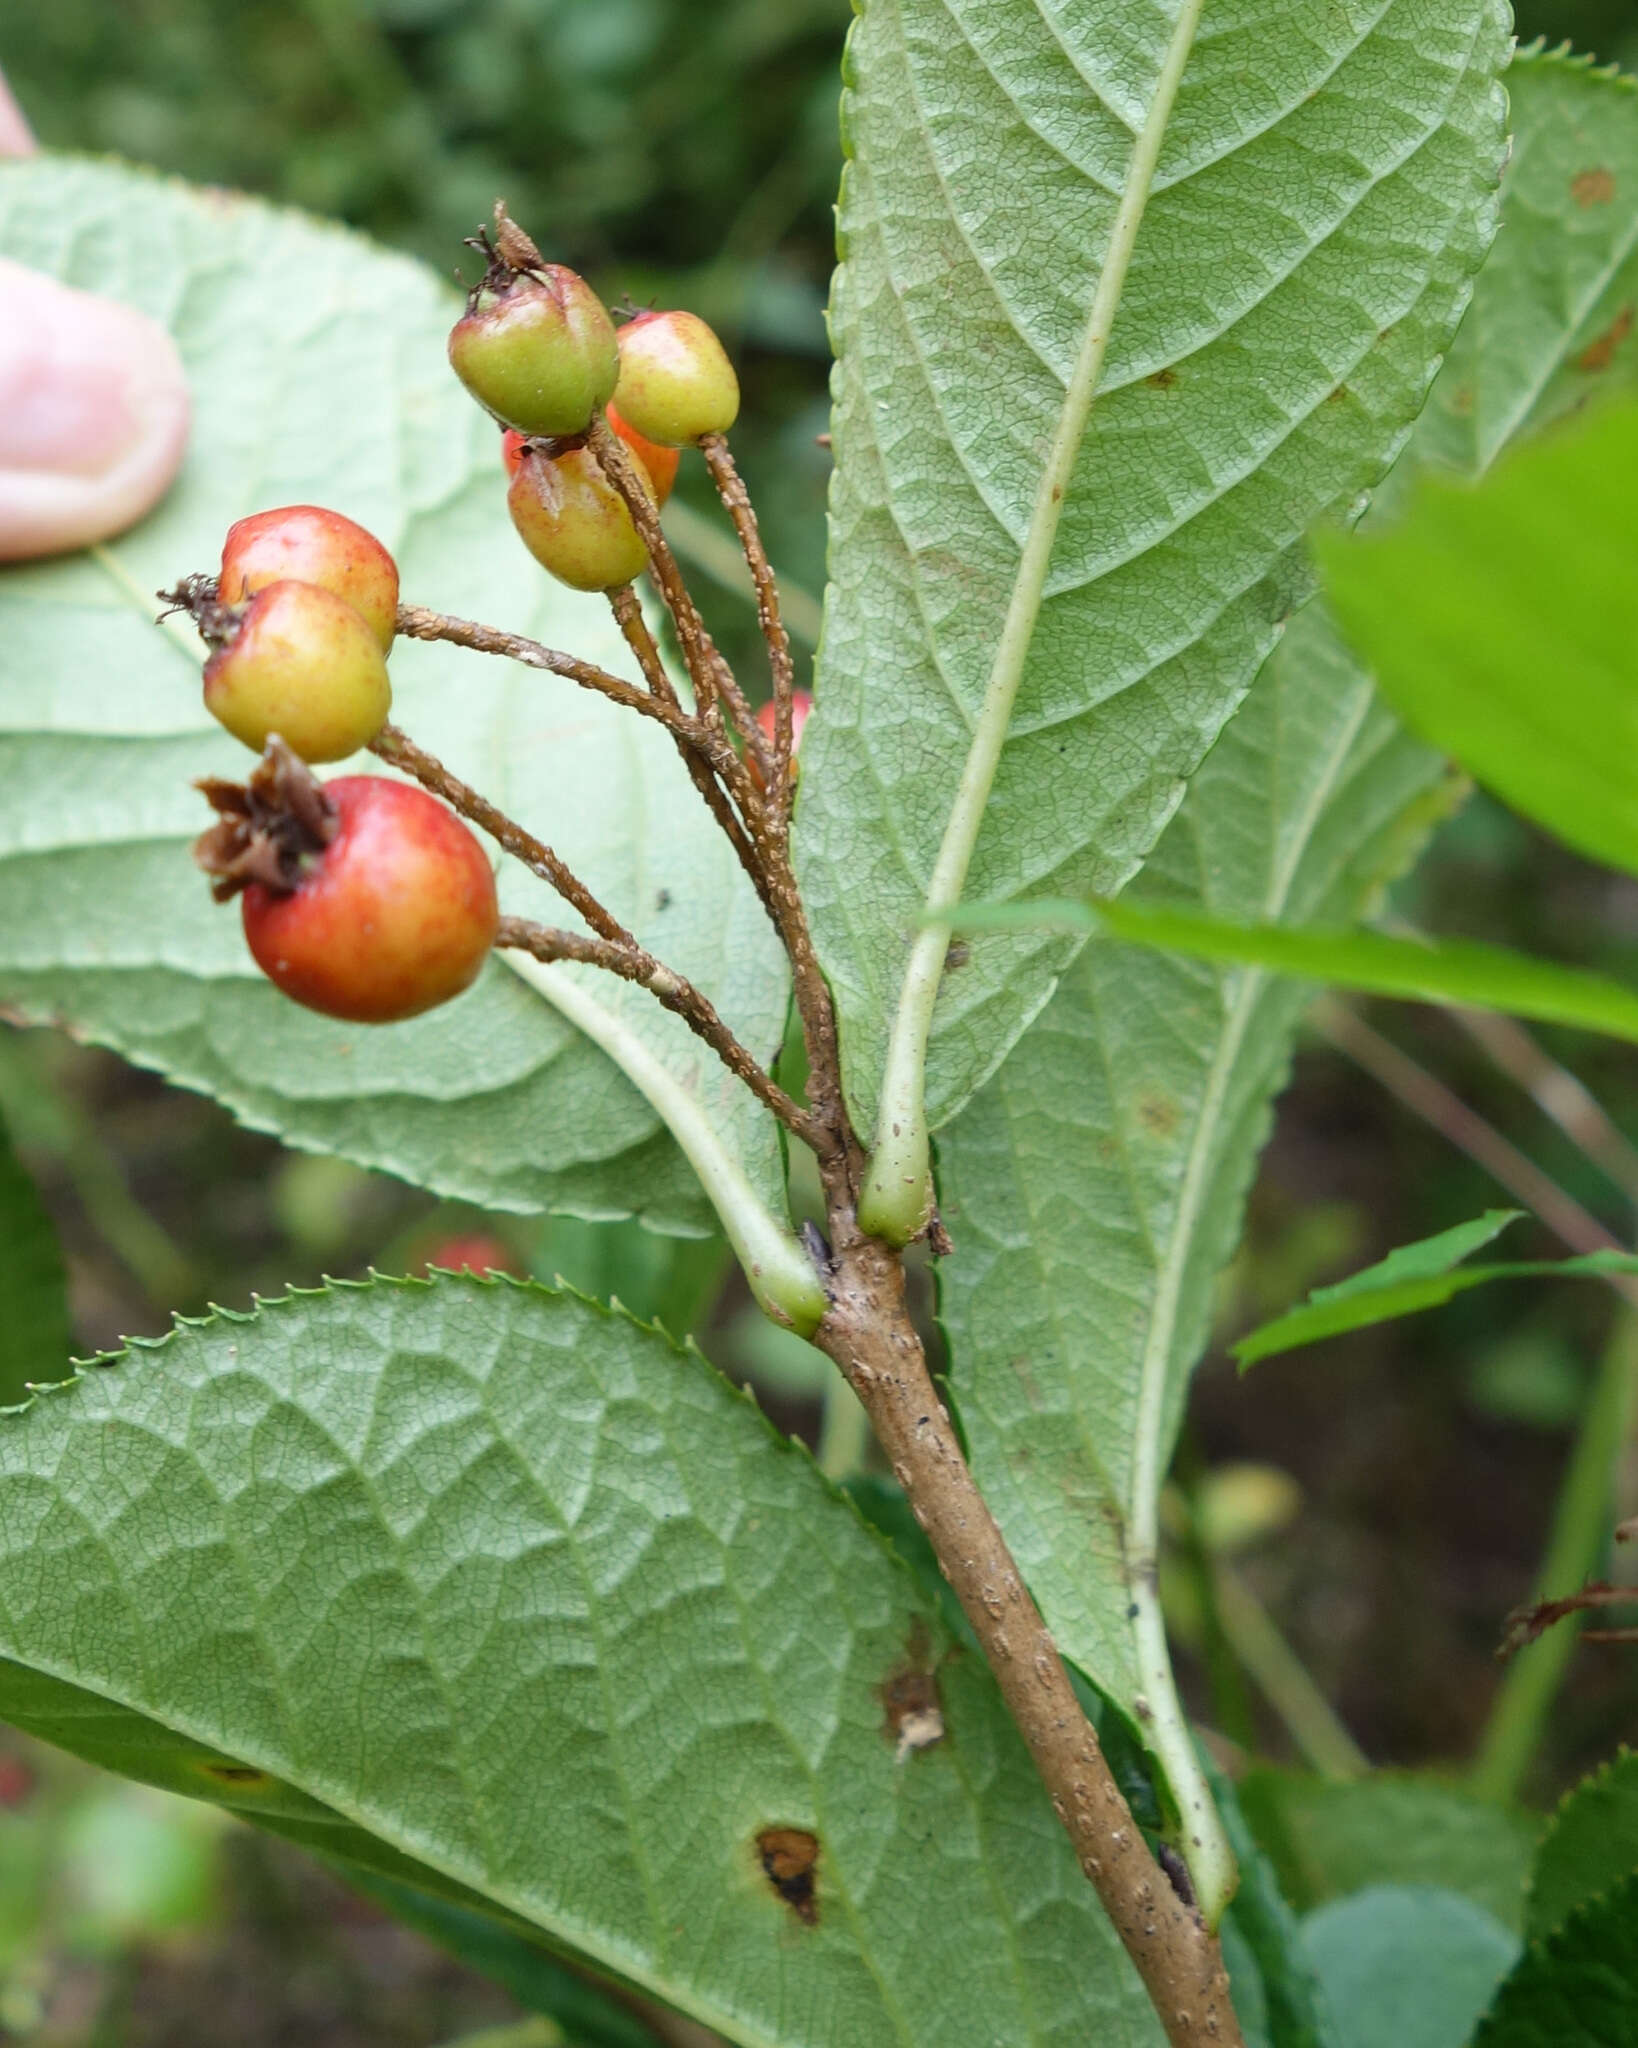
(93, 415)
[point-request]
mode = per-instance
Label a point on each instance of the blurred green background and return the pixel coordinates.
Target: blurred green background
(1384, 1503)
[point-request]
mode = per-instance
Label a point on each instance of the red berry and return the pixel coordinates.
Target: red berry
(394, 916)
(474, 1252)
(535, 346)
(307, 544)
(661, 463)
(573, 521)
(766, 717)
(301, 662)
(676, 383)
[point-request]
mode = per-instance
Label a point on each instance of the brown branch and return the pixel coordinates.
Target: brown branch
(421, 623)
(737, 502)
(869, 1335)
(714, 681)
(1441, 1107)
(628, 612)
(634, 964)
(400, 751)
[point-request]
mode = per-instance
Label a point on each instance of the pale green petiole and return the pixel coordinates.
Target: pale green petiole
(897, 1204)
(780, 1273)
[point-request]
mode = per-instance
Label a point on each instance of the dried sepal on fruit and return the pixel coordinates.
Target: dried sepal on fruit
(536, 347)
(676, 382)
(310, 544)
(363, 898)
(573, 520)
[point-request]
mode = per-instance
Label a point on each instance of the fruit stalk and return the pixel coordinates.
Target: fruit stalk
(634, 964)
(628, 613)
(398, 750)
(713, 680)
(737, 503)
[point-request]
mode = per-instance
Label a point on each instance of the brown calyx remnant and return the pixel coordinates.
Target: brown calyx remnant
(789, 1858)
(217, 623)
(508, 253)
(266, 828)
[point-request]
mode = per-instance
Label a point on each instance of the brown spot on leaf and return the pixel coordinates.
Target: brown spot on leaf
(1593, 188)
(1162, 380)
(789, 1858)
(912, 1712)
(1158, 1114)
(236, 1774)
(1339, 396)
(1462, 401)
(1600, 352)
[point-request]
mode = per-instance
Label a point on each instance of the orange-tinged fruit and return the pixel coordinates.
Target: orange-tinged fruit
(676, 382)
(309, 544)
(537, 349)
(300, 662)
(394, 916)
(573, 521)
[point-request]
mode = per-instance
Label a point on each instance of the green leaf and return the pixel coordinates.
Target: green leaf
(34, 1327)
(1502, 624)
(1412, 1278)
(1406, 1966)
(1094, 1189)
(1328, 1837)
(318, 372)
(508, 1594)
(1591, 1845)
(1420, 970)
(1579, 1987)
(1264, 362)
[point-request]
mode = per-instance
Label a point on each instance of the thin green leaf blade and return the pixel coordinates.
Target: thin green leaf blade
(1383, 1293)
(534, 1603)
(318, 373)
(988, 151)
(1591, 1845)
(1095, 1188)
(1373, 963)
(1502, 622)
(35, 1339)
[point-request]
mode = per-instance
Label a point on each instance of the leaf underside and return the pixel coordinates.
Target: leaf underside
(1323, 195)
(531, 1604)
(1095, 1188)
(317, 370)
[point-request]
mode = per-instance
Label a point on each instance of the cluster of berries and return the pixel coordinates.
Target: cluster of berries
(363, 898)
(539, 351)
